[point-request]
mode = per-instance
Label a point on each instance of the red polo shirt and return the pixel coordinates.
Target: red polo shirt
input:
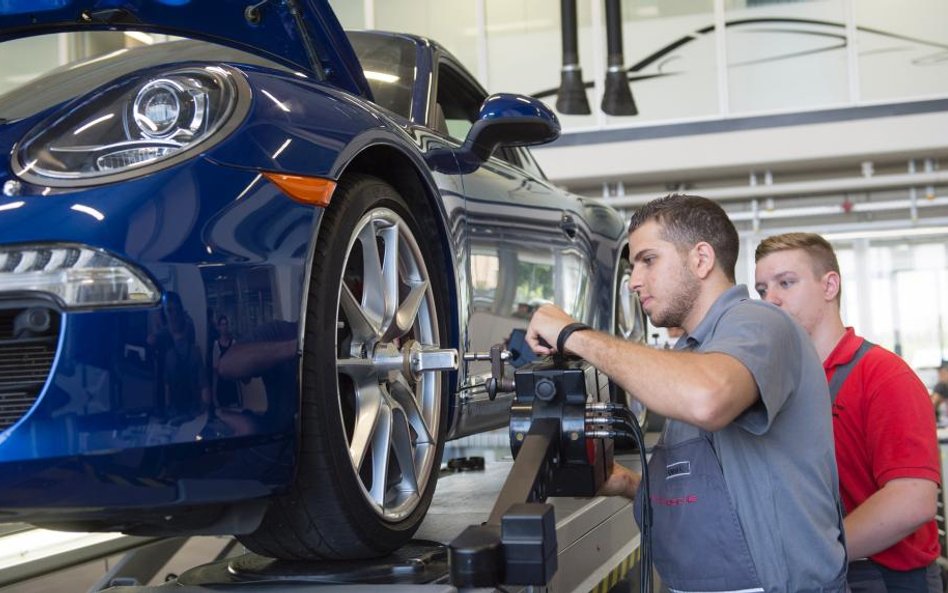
(884, 429)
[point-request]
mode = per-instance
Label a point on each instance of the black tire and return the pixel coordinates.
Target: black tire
(338, 507)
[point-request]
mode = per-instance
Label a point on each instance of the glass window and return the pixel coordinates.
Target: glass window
(509, 154)
(93, 59)
(25, 59)
(22, 60)
(459, 100)
(388, 63)
(530, 165)
(850, 302)
(905, 306)
(786, 55)
(916, 308)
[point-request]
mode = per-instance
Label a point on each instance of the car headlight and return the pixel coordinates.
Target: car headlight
(133, 126)
(77, 276)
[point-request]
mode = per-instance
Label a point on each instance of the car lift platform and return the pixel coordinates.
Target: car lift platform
(597, 545)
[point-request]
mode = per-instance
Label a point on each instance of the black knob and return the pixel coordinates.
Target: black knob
(545, 389)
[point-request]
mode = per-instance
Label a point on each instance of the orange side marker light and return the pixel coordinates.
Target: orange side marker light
(314, 191)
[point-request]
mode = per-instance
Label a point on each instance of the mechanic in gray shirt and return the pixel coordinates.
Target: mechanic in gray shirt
(744, 490)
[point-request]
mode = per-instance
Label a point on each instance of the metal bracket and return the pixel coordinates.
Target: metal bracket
(497, 382)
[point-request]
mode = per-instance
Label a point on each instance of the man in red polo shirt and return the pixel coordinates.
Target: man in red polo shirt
(886, 447)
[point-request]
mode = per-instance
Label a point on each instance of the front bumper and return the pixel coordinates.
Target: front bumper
(125, 418)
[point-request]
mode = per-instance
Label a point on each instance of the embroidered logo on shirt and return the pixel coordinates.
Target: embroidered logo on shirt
(674, 502)
(677, 470)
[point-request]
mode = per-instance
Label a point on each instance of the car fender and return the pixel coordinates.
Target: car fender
(393, 142)
(307, 129)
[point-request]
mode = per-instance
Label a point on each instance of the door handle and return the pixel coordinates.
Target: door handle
(569, 226)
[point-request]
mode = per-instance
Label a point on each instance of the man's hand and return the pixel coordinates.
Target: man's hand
(546, 323)
(622, 482)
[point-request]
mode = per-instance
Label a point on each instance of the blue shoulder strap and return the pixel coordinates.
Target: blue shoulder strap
(843, 370)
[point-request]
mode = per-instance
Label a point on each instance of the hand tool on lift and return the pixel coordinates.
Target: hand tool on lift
(562, 427)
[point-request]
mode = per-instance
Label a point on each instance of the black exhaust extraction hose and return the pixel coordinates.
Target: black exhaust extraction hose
(571, 98)
(617, 98)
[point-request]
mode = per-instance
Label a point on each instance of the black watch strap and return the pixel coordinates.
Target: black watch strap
(566, 332)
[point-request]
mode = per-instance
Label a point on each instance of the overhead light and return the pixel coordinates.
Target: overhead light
(888, 233)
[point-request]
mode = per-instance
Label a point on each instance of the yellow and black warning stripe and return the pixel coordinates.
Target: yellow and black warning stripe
(619, 572)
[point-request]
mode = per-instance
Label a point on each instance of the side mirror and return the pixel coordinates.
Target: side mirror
(510, 120)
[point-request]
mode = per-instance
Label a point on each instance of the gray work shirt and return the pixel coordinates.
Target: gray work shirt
(777, 456)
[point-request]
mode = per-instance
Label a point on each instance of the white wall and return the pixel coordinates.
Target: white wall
(900, 52)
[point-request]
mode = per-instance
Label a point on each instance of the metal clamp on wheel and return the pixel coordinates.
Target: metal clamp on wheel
(554, 456)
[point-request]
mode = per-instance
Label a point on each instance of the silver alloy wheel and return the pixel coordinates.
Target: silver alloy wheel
(629, 322)
(391, 409)
(630, 325)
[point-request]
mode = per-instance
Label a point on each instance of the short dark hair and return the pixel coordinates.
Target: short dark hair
(688, 220)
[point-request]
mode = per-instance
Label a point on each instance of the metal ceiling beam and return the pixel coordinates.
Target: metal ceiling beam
(799, 188)
(835, 209)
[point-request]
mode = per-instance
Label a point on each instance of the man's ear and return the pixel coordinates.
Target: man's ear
(831, 285)
(702, 259)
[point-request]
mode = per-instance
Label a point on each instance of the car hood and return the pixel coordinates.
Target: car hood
(303, 34)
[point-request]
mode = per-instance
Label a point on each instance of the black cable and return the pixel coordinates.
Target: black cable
(623, 423)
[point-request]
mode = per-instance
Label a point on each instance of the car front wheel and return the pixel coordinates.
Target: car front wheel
(373, 409)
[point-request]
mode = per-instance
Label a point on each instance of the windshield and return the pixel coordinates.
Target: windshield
(39, 72)
(388, 63)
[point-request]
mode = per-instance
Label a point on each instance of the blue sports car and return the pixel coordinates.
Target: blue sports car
(239, 262)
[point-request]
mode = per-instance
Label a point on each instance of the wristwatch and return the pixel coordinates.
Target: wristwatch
(566, 332)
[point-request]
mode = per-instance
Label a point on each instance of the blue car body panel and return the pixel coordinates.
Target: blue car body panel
(101, 412)
(302, 34)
